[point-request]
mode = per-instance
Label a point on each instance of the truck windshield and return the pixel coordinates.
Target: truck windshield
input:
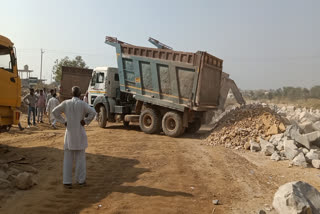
(5, 58)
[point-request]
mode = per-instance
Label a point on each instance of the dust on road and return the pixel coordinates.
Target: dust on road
(132, 172)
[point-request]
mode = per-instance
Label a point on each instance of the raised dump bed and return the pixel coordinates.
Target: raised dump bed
(164, 77)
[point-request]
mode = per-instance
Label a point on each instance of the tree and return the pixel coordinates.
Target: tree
(57, 68)
(315, 91)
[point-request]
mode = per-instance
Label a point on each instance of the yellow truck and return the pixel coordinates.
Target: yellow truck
(10, 86)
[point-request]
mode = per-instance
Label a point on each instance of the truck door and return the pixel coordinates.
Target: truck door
(112, 83)
(97, 86)
(9, 80)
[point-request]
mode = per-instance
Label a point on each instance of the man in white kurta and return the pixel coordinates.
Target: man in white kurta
(52, 103)
(75, 140)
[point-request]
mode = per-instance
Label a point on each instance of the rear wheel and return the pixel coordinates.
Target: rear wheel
(102, 117)
(126, 124)
(194, 126)
(150, 121)
(5, 128)
(172, 124)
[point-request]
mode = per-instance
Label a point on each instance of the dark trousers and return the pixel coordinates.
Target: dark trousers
(33, 110)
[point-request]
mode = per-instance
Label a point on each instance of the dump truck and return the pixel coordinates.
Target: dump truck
(162, 89)
(73, 76)
(10, 86)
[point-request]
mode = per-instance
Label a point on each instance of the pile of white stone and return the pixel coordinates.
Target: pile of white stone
(20, 177)
(308, 120)
(15, 172)
(301, 141)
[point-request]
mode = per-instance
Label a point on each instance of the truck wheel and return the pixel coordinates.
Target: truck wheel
(126, 124)
(102, 117)
(172, 124)
(150, 121)
(194, 126)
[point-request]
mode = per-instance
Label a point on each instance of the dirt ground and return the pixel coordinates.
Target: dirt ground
(132, 172)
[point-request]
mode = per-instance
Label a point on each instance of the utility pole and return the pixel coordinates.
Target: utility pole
(41, 65)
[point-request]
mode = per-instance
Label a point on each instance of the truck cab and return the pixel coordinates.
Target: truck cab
(10, 85)
(104, 82)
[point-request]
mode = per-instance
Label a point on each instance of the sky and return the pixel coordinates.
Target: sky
(265, 44)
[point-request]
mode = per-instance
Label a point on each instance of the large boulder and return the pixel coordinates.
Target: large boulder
(275, 139)
(24, 181)
(316, 164)
(306, 127)
(316, 126)
(275, 156)
(313, 154)
(300, 160)
(297, 198)
(290, 149)
(266, 147)
(254, 146)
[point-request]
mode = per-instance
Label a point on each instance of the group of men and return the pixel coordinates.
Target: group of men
(77, 114)
(40, 103)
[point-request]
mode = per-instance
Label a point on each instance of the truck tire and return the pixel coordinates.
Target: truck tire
(102, 117)
(150, 121)
(172, 124)
(126, 124)
(194, 126)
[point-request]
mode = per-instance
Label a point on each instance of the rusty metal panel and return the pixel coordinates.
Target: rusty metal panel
(162, 54)
(72, 76)
(209, 81)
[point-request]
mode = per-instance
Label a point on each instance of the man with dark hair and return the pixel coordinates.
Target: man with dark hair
(53, 102)
(78, 114)
(31, 100)
(49, 96)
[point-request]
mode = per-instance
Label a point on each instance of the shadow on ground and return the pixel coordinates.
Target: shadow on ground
(105, 175)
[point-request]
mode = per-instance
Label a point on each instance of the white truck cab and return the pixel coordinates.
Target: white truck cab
(104, 82)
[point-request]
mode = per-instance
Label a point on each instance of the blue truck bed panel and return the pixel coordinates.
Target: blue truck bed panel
(168, 78)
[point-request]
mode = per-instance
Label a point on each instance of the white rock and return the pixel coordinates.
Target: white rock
(313, 136)
(300, 160)
(291, 108)
(316, 163)
(24, 181)
(305, 151)
(290, 149)
(254, 146)
(275, 139)
(280, 147)
(266, 147)
(297, 198)
(306, 127)
(313, 155)
(316, 126)
(275, 156)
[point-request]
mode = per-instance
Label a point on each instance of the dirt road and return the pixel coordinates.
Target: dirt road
(132, 172)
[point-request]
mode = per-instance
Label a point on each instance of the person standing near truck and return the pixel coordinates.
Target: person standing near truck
(78, 114)
(53, 102)
(31, 100)
(41, 106)
(49, 96)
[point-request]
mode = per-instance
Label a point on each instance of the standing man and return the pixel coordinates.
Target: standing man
(41, 106)
(49, 96)
(53, 102)
(31, 100)
(75, 140)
